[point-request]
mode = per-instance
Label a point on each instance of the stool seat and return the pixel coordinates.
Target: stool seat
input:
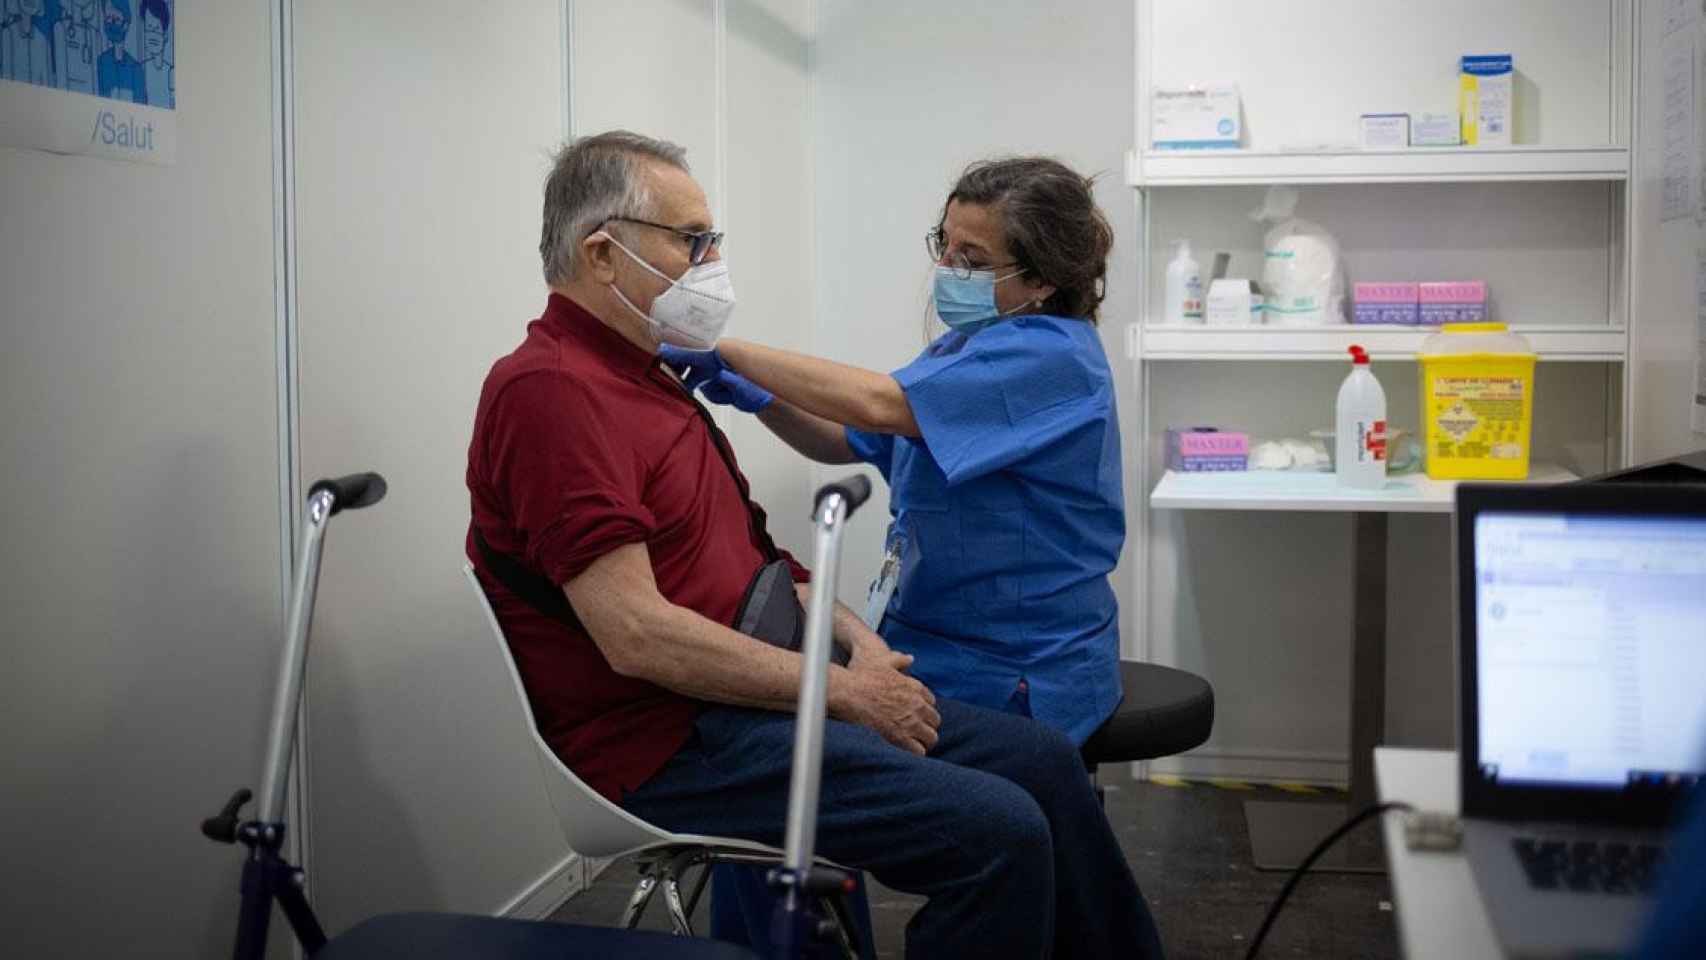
(1164, 712)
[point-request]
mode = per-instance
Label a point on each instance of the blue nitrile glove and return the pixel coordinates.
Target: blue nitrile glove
(696, 366)
(737, 391)
(705, 372)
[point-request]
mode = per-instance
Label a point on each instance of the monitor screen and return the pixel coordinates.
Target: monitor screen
(1591, 649)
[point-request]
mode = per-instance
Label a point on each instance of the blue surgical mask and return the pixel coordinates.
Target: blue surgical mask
(967, 303)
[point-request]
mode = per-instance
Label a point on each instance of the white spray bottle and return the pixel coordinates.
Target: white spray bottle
(1359, 455)
(1184, 288)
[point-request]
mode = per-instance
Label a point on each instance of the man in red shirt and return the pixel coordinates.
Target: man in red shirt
(592, 470)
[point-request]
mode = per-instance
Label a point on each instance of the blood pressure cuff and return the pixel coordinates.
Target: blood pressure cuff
(770, 611)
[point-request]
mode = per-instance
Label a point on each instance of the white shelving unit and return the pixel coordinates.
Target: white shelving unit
(1546, 222)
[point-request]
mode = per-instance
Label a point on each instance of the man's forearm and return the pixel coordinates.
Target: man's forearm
(705, 660)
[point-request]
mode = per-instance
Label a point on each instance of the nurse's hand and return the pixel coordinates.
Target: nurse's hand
(705, 371)
(696, 366)
(880, 695)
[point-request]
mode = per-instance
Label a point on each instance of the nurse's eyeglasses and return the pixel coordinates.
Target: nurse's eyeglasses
(936, 242)
(700, 242)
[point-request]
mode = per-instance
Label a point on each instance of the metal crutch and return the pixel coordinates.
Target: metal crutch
(266, 875)
(796, 927)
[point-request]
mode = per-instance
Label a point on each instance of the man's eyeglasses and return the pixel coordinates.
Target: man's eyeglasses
(936, 242)
(700, 242)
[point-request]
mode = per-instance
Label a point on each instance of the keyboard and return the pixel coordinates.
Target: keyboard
(1586, 866)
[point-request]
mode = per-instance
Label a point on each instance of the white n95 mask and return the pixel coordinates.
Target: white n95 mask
(695, 309)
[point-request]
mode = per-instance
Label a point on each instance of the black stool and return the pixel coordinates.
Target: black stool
(1165, 711)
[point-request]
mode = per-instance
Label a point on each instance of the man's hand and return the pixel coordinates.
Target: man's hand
(877, 693)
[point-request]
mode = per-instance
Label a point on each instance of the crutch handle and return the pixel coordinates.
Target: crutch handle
(855, 489)
(352, 492)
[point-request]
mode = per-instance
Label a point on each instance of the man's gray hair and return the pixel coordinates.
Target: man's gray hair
(594, 179)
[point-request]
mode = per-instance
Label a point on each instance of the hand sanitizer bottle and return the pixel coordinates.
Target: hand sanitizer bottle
(1359, 456)
(1184, 288)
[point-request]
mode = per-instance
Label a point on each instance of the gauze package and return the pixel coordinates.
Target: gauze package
(1302, 280)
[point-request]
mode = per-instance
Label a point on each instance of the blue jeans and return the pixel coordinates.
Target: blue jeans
(998, 827)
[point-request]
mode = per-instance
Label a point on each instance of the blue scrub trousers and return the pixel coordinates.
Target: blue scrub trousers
(998, 827)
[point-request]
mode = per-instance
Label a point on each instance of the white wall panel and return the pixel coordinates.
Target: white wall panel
(1663, 340)
(140, 581)
(423, 132)
(768, 217)
(908, 94)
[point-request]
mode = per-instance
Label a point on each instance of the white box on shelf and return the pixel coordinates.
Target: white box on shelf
(1234, 301)
(1384, 131)
(1196, 118)
(1436, 130)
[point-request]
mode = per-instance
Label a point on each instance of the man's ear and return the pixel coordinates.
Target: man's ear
(600, 256)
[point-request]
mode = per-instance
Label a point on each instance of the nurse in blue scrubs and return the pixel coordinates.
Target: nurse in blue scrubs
(1000, 444)
(1001, 447)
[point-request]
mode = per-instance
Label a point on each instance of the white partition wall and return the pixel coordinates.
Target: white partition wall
(1666, 337)
(423, 137)
(423, 132)
(140, 579)
(907, 95)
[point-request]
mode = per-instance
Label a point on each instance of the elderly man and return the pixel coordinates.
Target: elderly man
(593, 472)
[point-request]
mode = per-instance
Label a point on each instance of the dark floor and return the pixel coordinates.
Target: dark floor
(1190, 851)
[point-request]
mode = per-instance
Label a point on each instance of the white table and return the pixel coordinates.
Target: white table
(1295, 490)
(1439, 910)
(1282, 832)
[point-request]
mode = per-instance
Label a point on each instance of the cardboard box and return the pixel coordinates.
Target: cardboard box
(1487, 85)
(1386, 303)
(1205, 118)
(1384, 131)
(1207, 450)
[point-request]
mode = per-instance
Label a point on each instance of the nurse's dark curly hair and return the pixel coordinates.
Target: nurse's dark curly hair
(1053, 226)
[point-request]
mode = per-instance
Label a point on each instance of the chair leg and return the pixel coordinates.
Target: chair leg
(842, 916)
(637, 902)
(677, 911)
(698, 888)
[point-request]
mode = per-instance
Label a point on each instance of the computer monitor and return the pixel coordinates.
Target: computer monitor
(1582, 650)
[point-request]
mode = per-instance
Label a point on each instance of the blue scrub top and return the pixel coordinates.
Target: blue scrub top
(1013, 512)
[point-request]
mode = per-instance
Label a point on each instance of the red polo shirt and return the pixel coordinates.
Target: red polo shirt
(582, 443)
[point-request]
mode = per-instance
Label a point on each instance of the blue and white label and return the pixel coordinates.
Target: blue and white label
(90, 77)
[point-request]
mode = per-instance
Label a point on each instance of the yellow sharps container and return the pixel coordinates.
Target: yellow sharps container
(1477, 402)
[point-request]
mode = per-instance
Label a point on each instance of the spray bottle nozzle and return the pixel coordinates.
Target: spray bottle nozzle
(1358, 354)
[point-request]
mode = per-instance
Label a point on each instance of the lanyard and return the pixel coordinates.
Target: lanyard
(756, 517)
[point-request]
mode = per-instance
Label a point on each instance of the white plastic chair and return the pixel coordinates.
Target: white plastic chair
(598, 829)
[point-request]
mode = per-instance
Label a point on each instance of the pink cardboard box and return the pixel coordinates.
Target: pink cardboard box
(1461, 301)
(1386, 303)
(1207, 450)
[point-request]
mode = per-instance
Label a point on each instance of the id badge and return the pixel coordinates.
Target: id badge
(888, 576)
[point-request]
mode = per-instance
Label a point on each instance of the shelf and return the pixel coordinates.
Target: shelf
(1185, 168)
(1384, 342)
(1315, 492)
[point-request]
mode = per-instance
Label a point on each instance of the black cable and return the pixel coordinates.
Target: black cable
(1309, 861)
